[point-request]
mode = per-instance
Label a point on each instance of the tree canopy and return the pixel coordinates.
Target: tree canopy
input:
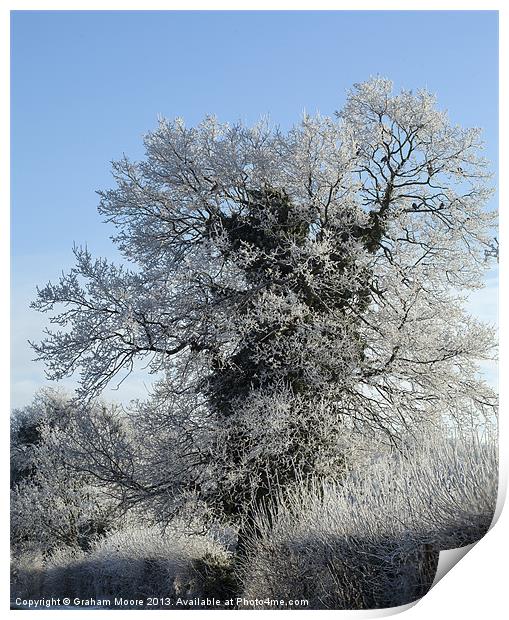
(286, 286)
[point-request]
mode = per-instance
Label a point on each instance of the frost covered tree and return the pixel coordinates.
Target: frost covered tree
(286, 286)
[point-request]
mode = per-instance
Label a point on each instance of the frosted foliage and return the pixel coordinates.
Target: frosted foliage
(55, 501)
(282, 282)
(373, 540)
(133, 563)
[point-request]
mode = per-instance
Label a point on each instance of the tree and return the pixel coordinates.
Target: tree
(287, 286)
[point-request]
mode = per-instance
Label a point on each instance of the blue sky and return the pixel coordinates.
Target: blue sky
(86, 86)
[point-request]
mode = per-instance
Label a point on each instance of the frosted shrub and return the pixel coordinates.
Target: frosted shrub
(55, 501)
(372, 540)
(337, 554)
(27, 571)
(138, 563)
(62, 574)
